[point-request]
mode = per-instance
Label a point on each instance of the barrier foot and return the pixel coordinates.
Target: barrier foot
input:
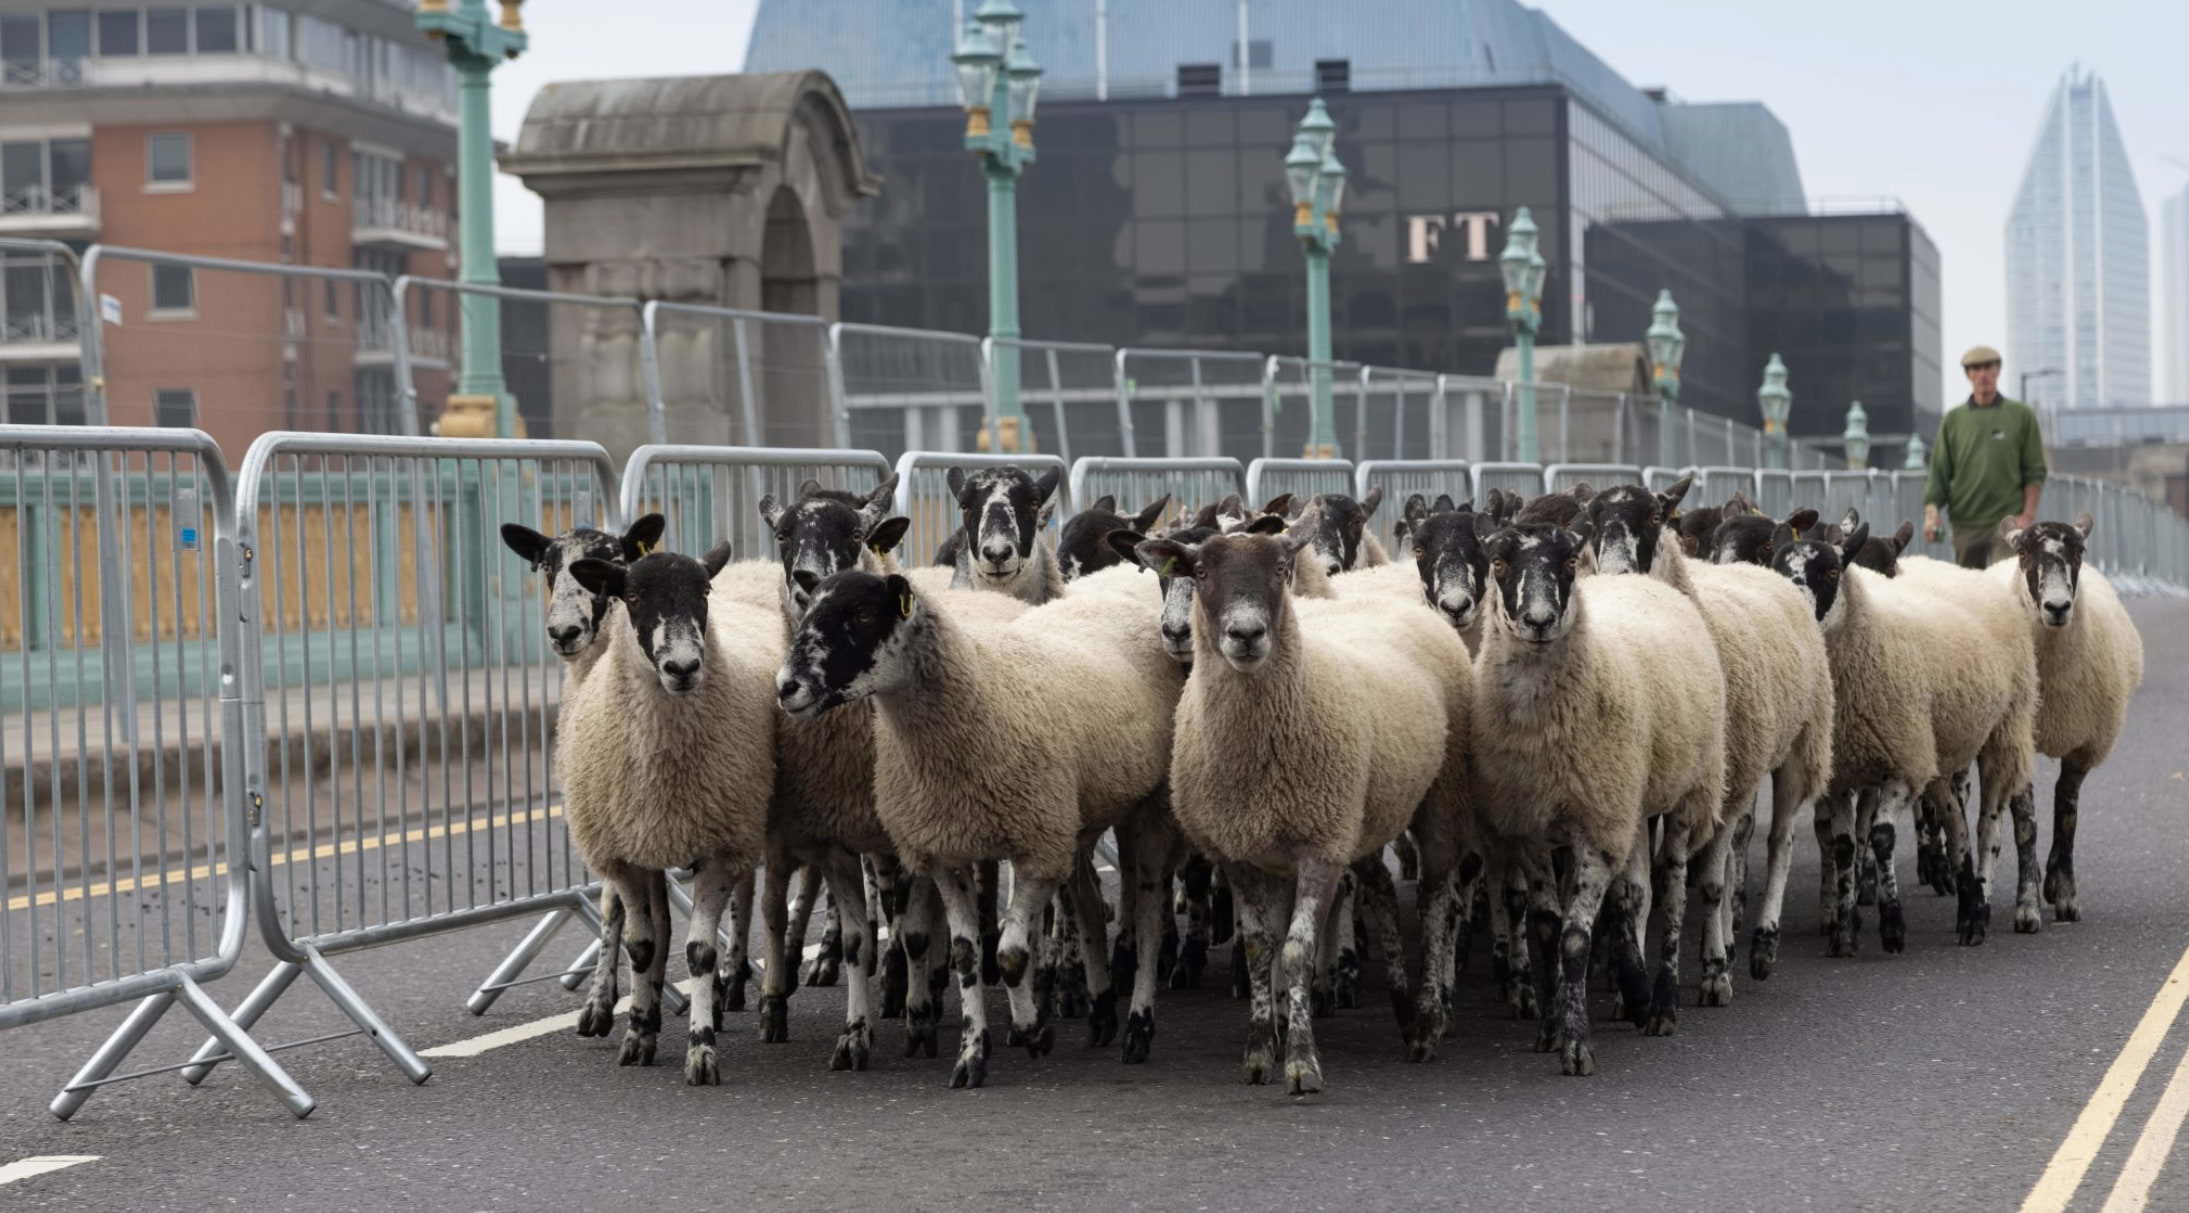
(246, 1016)
(110, 1054)
(517, 961)
(246, 1050)
(575, 972)
(339, 992)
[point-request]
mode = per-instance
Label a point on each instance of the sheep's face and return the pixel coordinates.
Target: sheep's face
(1449, 554)
(1532, 569)
(1335, 525)
(1816, 568)
(2051, 556)
(828, 531)
(1004, 509)
(1881, 555)
(1242, 588)
(849, 645)
(1629, 524)
(1085, 545)
(1697, 527)
(666, 595)
(574, 613)
(1751, 537)
(1174, 574)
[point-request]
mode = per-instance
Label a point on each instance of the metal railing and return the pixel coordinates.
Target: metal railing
(1525, 479)
(80, 201)
(1303, 478)
(1195, 403)
(712, 493)
(899, 390)
(1402, 478)
(923, 495)
(1191, 483)
(1068, 390)
(775, 373)
(1559, 477)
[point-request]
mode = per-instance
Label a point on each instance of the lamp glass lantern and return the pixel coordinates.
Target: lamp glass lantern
(1318, 127)
(1773, 397)
(1302, 164)
(1520, 264)
(1330, 188)
(1856, 437)
(1667, 344)
(1024, 76)
(976, 60)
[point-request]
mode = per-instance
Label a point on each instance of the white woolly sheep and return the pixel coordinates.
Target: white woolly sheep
(666, 757)
(574, 613)
(1601, 704)
(1004, 542)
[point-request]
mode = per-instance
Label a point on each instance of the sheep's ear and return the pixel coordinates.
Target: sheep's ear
(1045, 488)
(955, 478)
(1584, 492)
(805, 579)
(1206, 516)
(1487, 525)
(1801, 520)
(1125, 543)
(529, 545)
(1445, 505)
(1165, 556)
(1415, 511)
(1106, 503)
(604, 577)
(901, 591)
(2010, 534)
(716, 558)
(1906, 535)
(1267, 524)
(772, 511)
(643, 537)
(2084, 524)
(1783, 534)
(1371, 501)
(1850, 520)
(1851, 546)
(1583, 532)
(1280, 504)
(1145, 520)
(808, 487)
(884, 493)
(1673, 496)
(1231, 504)
(887, 534)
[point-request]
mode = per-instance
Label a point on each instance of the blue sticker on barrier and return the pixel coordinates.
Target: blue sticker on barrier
(188, 537)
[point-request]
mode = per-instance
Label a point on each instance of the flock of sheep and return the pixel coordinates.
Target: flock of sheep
(1557, 711)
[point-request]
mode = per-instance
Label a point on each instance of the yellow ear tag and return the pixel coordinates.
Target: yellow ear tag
(1170, 566)
(1796, 530)
(645, 548)
(1674, 519)
(904, 606)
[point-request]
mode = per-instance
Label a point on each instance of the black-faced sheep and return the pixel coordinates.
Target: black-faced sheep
(574, 613)
(1084, 547)
(1004, 542)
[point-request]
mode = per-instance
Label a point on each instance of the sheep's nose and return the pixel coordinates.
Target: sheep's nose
(682, 671)
(2058, 610)
(1246, 633)
(997, 554)
(1457, 609)
(1538, 618)
(1177, 635)
(786, 689)
(565, 637)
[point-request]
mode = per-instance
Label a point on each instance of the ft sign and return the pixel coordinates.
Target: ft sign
(1426, 234)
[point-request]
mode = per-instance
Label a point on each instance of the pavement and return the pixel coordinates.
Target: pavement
(1940, 1078)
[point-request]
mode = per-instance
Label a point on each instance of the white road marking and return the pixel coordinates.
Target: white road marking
(2132, 1191)
(2064, 1174)
(40, 1164)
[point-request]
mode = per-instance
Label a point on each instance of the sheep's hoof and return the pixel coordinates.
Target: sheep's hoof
(2027, 920)
(1576, 1061)
(1422, 1036)
(1892, 927)
(1039, 1039)
(1716, 991)
(1845, 939)
(1139, 1035)
(1166, 956)
(1523, 1000)
(919, 1034)
(598, 1017)
(972, 1067)
(1763, 953)
(700, 1067)
(1304, 1075)
(1193, 958)
(1547, 1037)
(1256, 1069)
(2066, 911)
(852, 1048)
(1975, 924)
(823, 969)
(638, 1048)
(1102, 1019)
(774, 1019)
(1221, 919)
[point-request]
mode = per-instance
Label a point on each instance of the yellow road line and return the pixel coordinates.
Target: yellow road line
(2132, 1190)
(130, 884)
(2064, 1174)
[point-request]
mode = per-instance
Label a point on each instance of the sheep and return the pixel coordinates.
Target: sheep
(1023, 743)
(1082, 549)
(574, 613)
(2089, 664)
(1337, 529)
(1602, 704)
(1928, 678)
(1778, 711)
(1004, 541)
(1749, 536)
(1308, 736)
(1450, 562)
(667, 758)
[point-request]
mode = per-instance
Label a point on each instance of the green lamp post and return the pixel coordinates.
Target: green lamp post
(1776, 402)
(998, 82)
(481, 404)
(1523, 267)
(1918, 454)
(1317, 182)
(1667, 345)
(1856, 437)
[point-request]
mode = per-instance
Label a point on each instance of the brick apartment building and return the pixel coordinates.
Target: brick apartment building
(314, 132)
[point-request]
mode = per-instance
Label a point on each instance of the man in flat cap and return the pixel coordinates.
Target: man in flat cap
(1988, 464)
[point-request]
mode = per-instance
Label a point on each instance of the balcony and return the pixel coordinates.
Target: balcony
(429, 348)
(36, 337)
(393, 223)
(35, 211)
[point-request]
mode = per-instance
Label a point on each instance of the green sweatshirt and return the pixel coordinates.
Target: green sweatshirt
(1984, 457)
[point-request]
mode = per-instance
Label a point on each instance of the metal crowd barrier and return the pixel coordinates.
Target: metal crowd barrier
(1773, 491)
(1076, 380)
(1870, 492)
(776, 372)
(1402, 478)
(1191, 483)
(1195, 403)
(1714, 485)
(1559, 477)
(132, 824)
(1525, 479)
(712, 493)
(1303, 478)
(898, 389)
(923, 495)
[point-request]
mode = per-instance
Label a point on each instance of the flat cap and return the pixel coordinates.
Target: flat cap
(1978, 355)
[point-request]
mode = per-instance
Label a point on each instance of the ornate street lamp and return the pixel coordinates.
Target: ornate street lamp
(1523, 268)
(1918, 455)
(998, 83)
(1776, 402)
(1667, 345)
(1316, 180)
(1856, 437)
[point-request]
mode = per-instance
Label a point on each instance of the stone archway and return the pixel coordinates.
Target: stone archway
(718, 190)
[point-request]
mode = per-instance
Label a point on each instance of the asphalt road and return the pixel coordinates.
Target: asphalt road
(1941, 1078)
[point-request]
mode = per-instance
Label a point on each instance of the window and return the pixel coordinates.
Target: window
(174, 288)
(330, 167)
(169, 160)
(1334, 75)
(167, 31)
(68, 35)
(278, 40)
(333, 302)
(425, 189)
(19, 41)
(175, 408)
(118, 33)
(71, 166)
(217, 30)
(1200, 79)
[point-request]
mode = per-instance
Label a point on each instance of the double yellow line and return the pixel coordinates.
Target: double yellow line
(325, 850)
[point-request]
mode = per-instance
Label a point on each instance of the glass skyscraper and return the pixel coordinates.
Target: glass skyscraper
(2078, 261)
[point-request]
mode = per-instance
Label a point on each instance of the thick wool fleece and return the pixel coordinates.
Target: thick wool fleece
(660, 780)
(1389, 582)
(1619, 720)
(1326, 751)
(1926, 682)
(1778, 681)
(1018, 742)
(2086, 672)
(756, 583)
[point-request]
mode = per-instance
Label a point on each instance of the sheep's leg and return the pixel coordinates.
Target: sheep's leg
(822, 970)
(2028, 919)
(1409, 857)
(1154, 847)
(1253, 894)
(1524, 992)
(2067, 797)
(649, 945)
(598, 1015)
(1071, 968)
(804, 892)
(988, 886)
(1630, 894)
(1193, 951)
(962, 905)
(1592, 873)
(1504, 909)
(1843, 924)
(1437, 895)
(737, 966)
(1664, 991)
(887, 908)
(1222, 913)
(711, 886)
(1171, 940)
(847, 889)
(1892, 924)
(1125, 951)
(1337, 981)
(1737, 875)
(1827, 868)
(1976, 920)
(1790, 797)
(1545, 917)
(1313, 887)
(923, 998)
(778, 948)
(1086, 900)
(1014, 958)
(1379, 905)
(1718, 869)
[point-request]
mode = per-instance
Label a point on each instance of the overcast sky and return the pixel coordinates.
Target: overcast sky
(1935, 102)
